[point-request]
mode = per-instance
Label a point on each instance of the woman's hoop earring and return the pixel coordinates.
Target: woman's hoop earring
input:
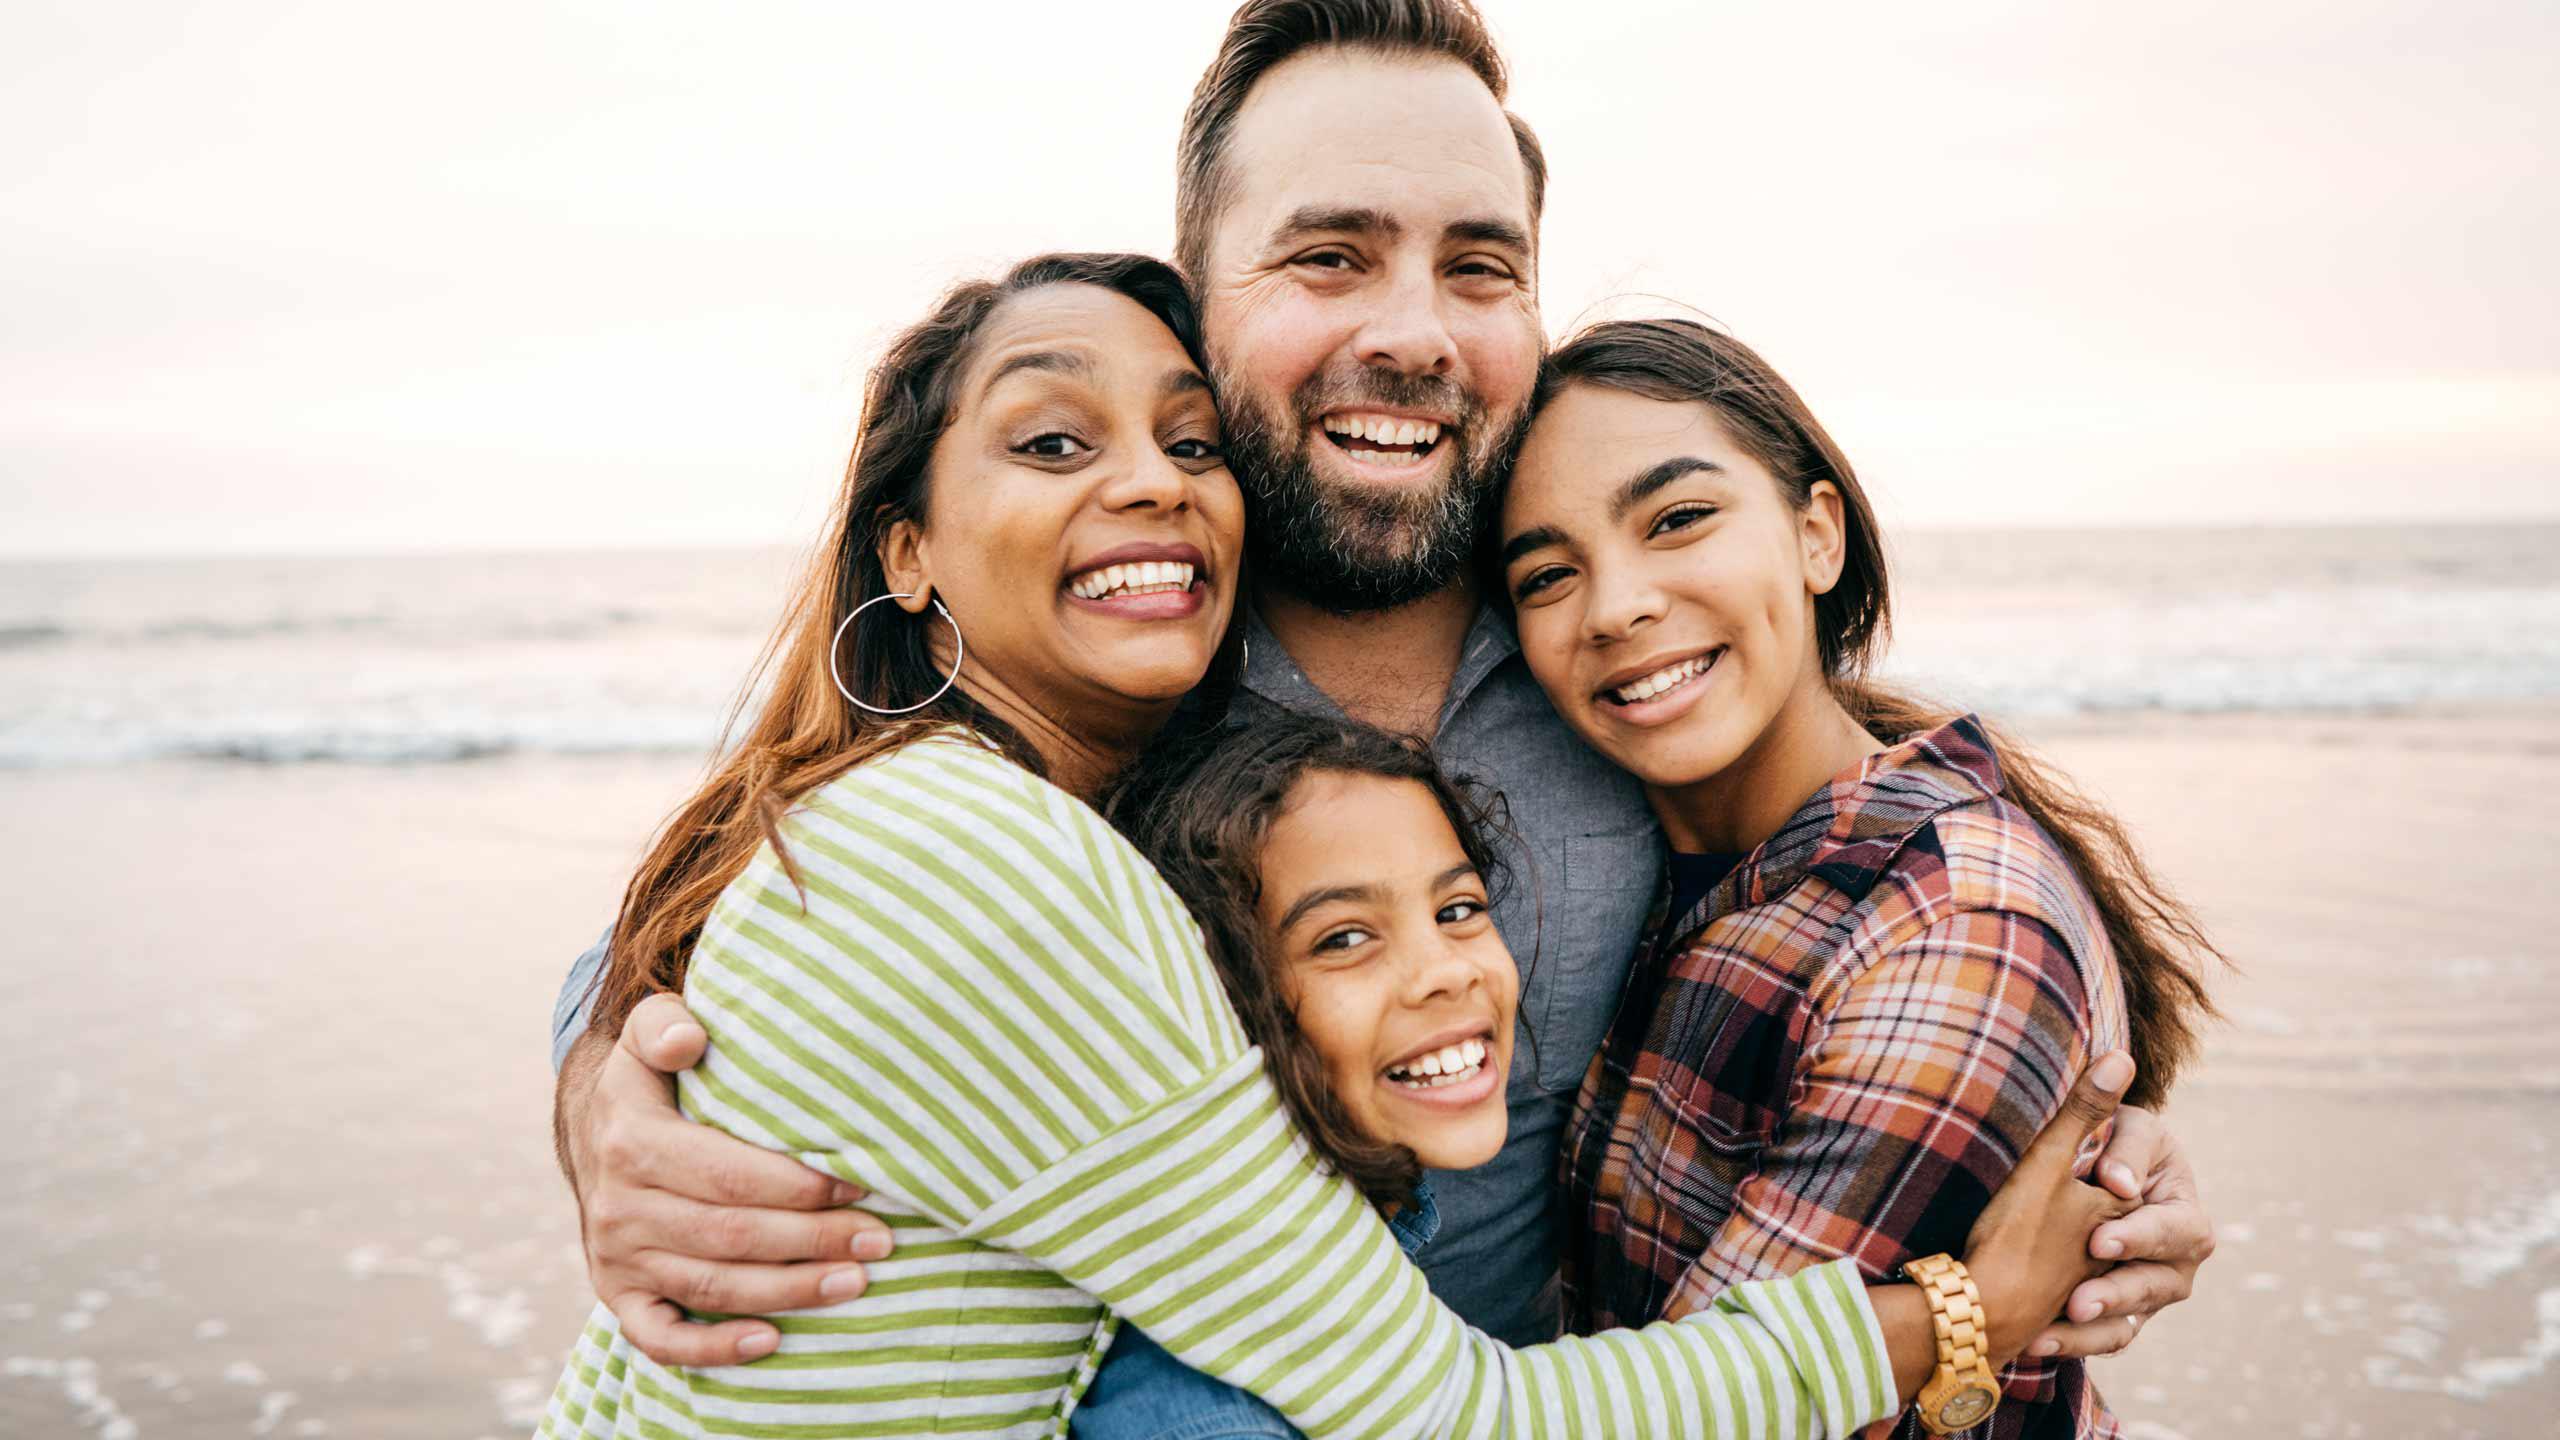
(837, 676)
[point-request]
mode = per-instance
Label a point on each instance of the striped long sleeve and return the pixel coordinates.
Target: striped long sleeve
(981, 1004)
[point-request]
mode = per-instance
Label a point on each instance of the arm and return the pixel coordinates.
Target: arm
(1926, 1076)
(672, 1215)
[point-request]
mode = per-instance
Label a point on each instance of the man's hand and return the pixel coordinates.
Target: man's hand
(677, 1216)
(2157, 1248)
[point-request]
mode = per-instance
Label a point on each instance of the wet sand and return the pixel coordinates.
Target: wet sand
(277, 1036)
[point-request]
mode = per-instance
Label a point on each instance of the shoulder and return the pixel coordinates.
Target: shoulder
(1983, 883)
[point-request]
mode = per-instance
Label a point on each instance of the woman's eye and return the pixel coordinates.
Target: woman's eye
(1459, 912)
(1538, 580)
(1192, 450)
(1679, 517)
(1056, 445)
(1341, 940)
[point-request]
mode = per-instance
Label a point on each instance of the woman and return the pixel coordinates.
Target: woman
(928, 966)
(1888, 938)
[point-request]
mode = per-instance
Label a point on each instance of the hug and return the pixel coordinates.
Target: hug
(1303, 865)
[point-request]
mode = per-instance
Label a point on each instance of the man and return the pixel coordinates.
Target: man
(1360, 216)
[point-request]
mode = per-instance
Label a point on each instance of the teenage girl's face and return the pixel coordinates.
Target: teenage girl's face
(1664, 582)
(1392, 963)
(1081, 524)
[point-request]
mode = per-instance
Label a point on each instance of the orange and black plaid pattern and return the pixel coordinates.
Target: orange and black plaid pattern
(1841, 1051)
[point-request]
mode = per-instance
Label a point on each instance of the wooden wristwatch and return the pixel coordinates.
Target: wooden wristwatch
(1960, 1395)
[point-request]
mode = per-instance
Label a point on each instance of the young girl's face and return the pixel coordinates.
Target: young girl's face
(1391, 961)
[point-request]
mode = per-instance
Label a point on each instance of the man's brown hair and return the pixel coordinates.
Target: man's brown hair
(1262, 34)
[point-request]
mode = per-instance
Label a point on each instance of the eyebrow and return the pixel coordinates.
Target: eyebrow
(1183, 382)
(1328, 895)
(1627, 498)
(1364, 220)
(1060, 362)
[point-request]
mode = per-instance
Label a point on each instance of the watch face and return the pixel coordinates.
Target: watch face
(1967, 1407)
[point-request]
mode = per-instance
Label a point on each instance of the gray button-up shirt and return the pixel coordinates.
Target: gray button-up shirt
(1582, 867)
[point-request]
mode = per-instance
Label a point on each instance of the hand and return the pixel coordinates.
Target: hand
(2030, 1246)
(2156, 1249)
(677, 1216)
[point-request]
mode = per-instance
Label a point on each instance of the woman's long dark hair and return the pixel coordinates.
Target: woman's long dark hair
(1201, 812)
(804, 734)
(2160, 948)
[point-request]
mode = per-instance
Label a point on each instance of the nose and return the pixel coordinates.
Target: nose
(1405, 331)
(1439, 969)
(1620, 599)
(1151, 482)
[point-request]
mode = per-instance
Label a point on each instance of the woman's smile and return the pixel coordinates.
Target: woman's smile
(1141, 582)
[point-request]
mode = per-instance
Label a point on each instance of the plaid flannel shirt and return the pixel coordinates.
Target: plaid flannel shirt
(1841, 1051)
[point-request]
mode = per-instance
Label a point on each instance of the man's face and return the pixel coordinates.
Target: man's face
(1372, 318)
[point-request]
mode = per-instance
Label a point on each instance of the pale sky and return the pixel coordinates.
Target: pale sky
(289, 277)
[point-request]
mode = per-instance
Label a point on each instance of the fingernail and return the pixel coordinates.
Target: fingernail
(2113, 1072)
(841, 1284)
(2107, 1248)
(2120, 1174)
(871, 1245)
(2048, 1347)
(758, 1345)
(843, 1194)
(682, 1034)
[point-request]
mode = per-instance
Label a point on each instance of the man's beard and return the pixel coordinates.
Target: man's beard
(1350, 547)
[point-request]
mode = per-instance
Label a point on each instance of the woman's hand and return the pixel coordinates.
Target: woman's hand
(2030, 1247)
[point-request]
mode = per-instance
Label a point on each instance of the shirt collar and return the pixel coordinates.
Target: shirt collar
(1849, 833)
(1415, 1224)
(1271, 673)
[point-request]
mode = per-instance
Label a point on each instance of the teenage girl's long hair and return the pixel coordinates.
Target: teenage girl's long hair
(2160, 948)
(804, 733)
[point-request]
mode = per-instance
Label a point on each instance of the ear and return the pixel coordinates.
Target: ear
(907, 564)
(1822, 525)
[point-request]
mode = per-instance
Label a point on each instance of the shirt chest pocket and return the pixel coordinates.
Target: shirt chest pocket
(1723, 1047)
(1593, 921)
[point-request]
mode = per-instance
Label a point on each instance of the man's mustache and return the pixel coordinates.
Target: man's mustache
(1389, 390)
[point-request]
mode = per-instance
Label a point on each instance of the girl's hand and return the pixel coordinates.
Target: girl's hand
(2030, 1246)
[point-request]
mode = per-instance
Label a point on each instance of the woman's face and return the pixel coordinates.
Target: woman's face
(1392, 964)
(1664, 583)
(1080, 523)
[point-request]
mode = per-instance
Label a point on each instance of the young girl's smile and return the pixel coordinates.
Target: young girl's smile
(1378, 925)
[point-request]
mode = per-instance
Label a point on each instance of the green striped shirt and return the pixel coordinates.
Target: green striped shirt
(986, 1008)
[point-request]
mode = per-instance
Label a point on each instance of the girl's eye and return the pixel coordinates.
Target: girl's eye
(1460, 911)
(1538, 580)
(1341, 940)
(1679, 517)
(1056, 445)
(1193, 450)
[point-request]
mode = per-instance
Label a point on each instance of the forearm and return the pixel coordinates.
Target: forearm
(570, 1093)
(1910, 1336)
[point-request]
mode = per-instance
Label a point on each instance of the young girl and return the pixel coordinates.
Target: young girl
(1342, 882)
(1889, 937)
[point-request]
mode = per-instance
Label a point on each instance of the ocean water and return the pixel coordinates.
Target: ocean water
(451, 657)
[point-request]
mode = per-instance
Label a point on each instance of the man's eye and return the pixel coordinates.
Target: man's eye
(1341, 940)
(1326, 260)
(1680, 517)
(1056, 445)
(1480, 269)
(1458, 912)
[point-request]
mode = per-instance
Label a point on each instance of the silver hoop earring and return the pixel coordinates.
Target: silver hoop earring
(857, 701)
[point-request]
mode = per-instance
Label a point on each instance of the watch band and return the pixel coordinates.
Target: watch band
(1964, 1389)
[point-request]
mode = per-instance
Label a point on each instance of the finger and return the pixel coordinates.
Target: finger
(661, 1332)
(2173, 1234)
(2091, 1103)
(2128, 1290)
(660, 1220)
(664, 1150)
(705, 1287)
(663, 1035)
(2083, 1342)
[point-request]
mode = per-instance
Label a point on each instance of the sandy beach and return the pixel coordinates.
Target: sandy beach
(281, 1138)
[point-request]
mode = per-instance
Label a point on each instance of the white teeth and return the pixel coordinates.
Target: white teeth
(1449, 1065)
(1666, 678)
(1385, 429)
(1150, 577)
